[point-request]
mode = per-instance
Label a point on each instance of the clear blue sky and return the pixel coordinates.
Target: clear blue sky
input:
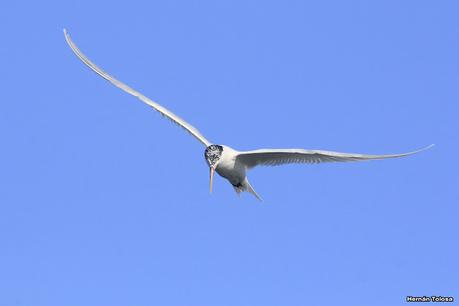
(103, 202)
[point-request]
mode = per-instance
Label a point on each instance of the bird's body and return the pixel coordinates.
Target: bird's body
(230, 163)
(230, 168)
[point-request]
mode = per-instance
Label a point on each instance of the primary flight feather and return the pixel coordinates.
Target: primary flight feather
(229, 163)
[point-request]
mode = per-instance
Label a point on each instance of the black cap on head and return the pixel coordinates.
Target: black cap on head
(213, 154)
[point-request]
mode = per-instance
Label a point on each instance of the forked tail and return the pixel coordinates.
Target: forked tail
(245, 186)
(250, 189)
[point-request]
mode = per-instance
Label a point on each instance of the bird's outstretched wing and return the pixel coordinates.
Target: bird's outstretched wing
(163, 111)
(275, 157)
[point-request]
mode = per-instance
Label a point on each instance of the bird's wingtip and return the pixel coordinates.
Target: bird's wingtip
(424, 149)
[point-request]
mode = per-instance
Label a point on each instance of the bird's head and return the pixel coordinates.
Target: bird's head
(213, 154)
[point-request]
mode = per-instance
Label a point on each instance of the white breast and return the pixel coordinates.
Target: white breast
(229, 168)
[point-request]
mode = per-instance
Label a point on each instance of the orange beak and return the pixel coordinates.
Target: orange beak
(211, 178)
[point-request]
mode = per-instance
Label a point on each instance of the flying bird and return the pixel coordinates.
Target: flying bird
(226, 161)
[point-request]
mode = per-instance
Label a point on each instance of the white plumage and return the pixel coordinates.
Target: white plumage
(229, 163)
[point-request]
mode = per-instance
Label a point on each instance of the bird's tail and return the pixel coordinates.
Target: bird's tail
(250, 189)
